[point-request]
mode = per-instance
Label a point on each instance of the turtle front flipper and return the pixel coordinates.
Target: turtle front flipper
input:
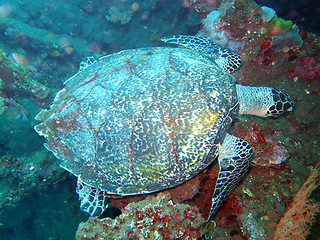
(93, 200)
(224, 57)
(234, 161)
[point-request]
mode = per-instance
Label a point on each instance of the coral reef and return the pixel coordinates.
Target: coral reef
(241, 25)
(153, 218)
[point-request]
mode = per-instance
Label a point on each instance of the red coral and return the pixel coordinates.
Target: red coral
(295, 224)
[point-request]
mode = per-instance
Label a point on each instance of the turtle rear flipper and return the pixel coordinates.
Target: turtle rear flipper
(86, 62)
(234, 161)
(93, 200)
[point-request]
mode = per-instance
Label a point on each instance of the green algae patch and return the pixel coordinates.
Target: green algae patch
(279, 25)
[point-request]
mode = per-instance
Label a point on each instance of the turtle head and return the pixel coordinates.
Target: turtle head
(280, 103)
(263, 101)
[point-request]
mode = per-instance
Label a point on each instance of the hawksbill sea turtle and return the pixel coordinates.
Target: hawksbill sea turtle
(148, 119)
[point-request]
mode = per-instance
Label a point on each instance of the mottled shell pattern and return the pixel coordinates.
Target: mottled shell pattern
(141, 120)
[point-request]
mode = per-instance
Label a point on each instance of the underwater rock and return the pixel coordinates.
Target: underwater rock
(285, 41)
(267, 151)
(17, 79)
(5, 10)
(308, 69)
(153, 218)
(251, 227)
(121, 15)
(21, 176)
(20, 59)
(3, 106)
(214, 29)
(203, 7)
